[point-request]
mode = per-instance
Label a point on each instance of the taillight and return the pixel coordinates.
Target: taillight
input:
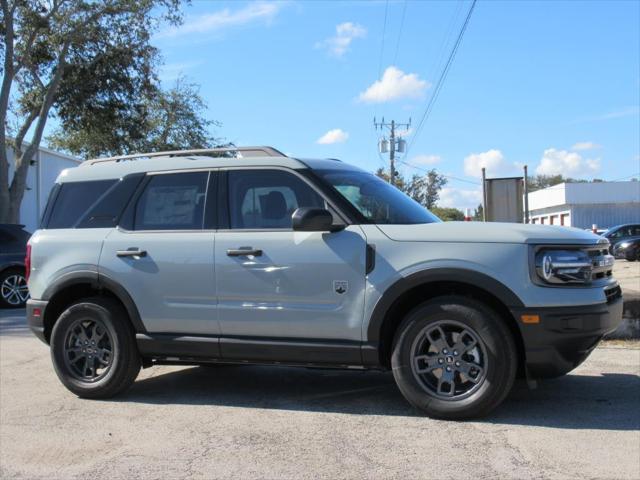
(27, 263)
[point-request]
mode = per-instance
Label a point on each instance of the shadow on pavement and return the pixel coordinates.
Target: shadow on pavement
(606, 402)
(13, 322)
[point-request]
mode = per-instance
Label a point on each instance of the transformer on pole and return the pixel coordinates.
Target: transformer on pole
(394, 144)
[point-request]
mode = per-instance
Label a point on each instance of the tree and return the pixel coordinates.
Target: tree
(478, 215)
(398, 179)
(424, 189)
(168, 120)
(62, 56)
(448, 214)
(545, 181)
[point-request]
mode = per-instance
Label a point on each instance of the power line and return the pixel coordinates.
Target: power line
(404, 11)
(443, 75)
(384, 32)
(446, 176)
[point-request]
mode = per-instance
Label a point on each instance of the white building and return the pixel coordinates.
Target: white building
(583, 205)
(40, 179)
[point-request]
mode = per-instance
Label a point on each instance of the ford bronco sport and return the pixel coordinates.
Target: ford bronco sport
(250, 256)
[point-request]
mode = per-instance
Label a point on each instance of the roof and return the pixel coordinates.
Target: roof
(117, 167)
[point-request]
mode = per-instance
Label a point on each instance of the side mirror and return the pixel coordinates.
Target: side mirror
(309, 219)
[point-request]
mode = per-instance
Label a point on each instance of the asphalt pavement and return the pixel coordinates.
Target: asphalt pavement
(269, 422)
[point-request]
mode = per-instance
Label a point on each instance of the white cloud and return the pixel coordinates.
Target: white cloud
(213, 22)
(425, 160)
(459, 198)
(394, 85)
(339, 44)
(333, 136)
(492, 160)
(585, 146)
(569, 164)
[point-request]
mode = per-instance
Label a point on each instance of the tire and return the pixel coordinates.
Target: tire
(632, 256)
(13, 288)
(105, 322)
(488, 355)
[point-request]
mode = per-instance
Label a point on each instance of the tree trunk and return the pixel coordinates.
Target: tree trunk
(5, 91)
(23, 158)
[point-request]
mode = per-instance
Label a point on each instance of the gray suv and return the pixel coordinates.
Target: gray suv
(250, 256)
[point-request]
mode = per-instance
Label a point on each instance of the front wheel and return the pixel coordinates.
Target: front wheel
(454, 358)
(93, 348)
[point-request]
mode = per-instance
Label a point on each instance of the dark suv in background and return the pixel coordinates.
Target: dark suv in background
(13, 249)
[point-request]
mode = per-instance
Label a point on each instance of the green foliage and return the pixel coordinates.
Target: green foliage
(544, 181)
(479, 213)
(161, 120)
(448, 214)
(76, 60)
(424, 189)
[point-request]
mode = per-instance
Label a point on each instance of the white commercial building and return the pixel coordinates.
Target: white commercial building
(40, 179)
(582, 205)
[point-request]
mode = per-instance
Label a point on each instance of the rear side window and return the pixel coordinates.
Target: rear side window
(73, 201)
(172, 202)
(106, 211)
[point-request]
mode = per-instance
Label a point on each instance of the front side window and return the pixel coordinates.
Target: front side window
(266, 199)
(172, 202)
(375, 199)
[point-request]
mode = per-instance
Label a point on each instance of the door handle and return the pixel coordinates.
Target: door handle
(244, 252)
(132, 252)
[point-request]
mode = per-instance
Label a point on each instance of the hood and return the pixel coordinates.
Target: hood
(489, 232)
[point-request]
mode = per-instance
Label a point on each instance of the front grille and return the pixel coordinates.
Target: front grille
(601, 268)
(613, 293)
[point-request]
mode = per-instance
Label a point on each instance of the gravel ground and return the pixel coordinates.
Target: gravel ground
(266, 422)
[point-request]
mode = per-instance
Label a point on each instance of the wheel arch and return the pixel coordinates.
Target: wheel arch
(77, 285)
(11, 265)
(416, 288)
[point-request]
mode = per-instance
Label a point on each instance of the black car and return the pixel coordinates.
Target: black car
(622, 232)
(628, 249)
(13, 249)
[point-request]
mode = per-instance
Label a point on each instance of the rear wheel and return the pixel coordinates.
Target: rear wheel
(454, 358)
(93, 348)
(13, 288)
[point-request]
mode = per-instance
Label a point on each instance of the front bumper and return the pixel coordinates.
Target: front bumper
(35, 320)
(565, 336)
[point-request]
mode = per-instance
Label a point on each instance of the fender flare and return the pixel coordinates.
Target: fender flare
(99, 282)
(459, 275)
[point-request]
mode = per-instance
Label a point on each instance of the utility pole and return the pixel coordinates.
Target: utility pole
(395, 143)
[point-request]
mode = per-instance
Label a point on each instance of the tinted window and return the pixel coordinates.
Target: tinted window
(106, 212)
(375, 199)
(267, 198)
(172, 202)
(73, 201)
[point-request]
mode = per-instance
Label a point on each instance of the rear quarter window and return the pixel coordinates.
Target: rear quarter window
(74, 199)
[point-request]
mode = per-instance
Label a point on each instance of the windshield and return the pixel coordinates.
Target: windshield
(375, 199)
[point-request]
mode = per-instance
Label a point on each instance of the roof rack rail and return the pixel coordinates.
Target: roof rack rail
(238, 151)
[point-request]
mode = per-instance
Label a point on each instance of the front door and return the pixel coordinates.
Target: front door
(165, 262)
(274, 283)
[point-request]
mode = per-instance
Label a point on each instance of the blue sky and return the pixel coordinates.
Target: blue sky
(555, 85)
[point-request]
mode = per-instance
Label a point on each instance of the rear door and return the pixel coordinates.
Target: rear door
(274, 283)
(163, 253)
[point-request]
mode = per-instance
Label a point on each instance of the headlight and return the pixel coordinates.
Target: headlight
(623, 245)
(564, 266)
